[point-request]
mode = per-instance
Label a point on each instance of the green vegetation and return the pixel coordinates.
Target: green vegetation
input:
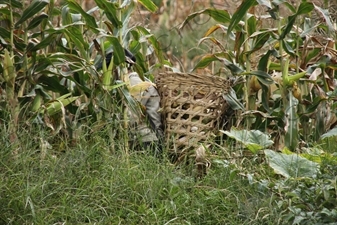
(65, 157)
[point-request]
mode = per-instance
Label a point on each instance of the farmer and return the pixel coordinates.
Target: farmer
(146, 129)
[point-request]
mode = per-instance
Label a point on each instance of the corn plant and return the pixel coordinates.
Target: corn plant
(289, 67)
(49, 54)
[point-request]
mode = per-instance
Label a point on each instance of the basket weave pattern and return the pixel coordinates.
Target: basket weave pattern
(192, 106)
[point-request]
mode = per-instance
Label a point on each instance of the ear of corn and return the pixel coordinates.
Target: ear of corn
(36, 103)
(9, 72)
(56, 105)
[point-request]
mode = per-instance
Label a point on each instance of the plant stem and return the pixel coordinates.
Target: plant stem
(250, 98)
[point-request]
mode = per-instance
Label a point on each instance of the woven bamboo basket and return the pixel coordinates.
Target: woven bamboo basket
(192, 107)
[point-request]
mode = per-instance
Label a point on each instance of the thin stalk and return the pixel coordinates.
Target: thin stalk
(123, 74)
(250, 98)
(10, 86)
(284, 70)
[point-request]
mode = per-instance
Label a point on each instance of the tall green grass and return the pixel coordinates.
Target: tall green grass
(89, 184)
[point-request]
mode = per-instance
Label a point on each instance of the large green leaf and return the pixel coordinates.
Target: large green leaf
(75, 37)
(13, 3)
(149, 5)
(260, 40)
(292, 165)
(240, 13)
(264, 60)
(32, 10)
(154, 42)
(37, 21)
(110, 9)
(221, 16)
(231, 66)
(205, 61)
(89, 19)
(262, 76)
(233, 101)
(254, 140)
(118, 51)
(304, 8)
(330, 133)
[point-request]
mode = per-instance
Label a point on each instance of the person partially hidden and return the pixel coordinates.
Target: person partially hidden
(145, 130)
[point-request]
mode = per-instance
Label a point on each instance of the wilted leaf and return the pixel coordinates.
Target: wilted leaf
(214, 28)
(254, 140)
(325, 14)
(137, 89)
(291, 165)
(305, 8)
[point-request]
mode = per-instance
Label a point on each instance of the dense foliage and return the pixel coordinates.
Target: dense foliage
(65, 155)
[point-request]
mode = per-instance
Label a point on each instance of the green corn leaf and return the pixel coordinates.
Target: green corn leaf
(233, 101)
(262, 76)
(37, 21)
(251, 25)
(288, 49)
(56, 105)
(264, 61)
(205, 61)
(259, 41)
(265, 93)
(37, 102)
(240, 13)
(4, 33)
(9, 72)
(89, 19)
(154, 42)
(110, 9)
(118, 51)
(288, 27)
(32, 10)
(14, 3)
(221, 16)
(149, 5)
(305, 8)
